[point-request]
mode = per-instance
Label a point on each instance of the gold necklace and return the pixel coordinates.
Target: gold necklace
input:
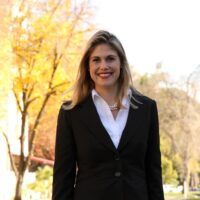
(113, 107)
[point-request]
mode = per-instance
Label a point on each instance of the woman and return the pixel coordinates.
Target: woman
(108, 132)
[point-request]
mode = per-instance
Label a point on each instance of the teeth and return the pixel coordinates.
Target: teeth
(105, 75)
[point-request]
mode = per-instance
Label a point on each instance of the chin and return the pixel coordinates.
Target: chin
(106, 86)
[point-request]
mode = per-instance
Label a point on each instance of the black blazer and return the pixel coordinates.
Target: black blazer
(130, 172)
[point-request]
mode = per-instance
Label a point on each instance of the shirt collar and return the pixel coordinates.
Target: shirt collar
(94, 94)
(125, 100)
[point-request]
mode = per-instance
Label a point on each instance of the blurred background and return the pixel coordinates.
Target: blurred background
(41, 45)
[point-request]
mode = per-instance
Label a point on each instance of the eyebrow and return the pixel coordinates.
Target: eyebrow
(111, 55)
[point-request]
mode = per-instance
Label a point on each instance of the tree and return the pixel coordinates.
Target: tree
(180, 122)
(179, 116)
(46, 40)
(43, 184)
(169, 172)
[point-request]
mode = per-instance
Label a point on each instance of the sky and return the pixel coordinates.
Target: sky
(154, 31)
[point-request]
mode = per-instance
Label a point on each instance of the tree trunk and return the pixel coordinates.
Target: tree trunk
(185, 189)
(186, 185)
(18, 190)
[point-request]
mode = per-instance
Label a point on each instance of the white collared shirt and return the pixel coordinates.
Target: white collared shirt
(114, 127)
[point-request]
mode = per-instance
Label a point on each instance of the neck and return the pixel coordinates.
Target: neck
(108, 94)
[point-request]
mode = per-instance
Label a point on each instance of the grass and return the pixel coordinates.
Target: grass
(179, 196)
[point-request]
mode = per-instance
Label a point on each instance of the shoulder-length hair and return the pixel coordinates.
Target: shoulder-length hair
(84, 84)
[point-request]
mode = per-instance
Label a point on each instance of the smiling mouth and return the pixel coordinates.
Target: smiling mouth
(105, 74)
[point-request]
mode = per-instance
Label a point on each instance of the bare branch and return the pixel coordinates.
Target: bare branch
(33, 132)
(47, 96)
(58, 85)
(10, 154)
(55, 8)
(31, 100)
(17, 100)
(30, 91)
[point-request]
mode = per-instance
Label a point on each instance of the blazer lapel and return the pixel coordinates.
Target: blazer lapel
(130, 130)
(91, 119)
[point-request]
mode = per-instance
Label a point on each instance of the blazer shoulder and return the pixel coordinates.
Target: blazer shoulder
(66, 106)
(143, 99)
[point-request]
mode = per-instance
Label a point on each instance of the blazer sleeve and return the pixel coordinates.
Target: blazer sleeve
(65, 160)
(153, 158)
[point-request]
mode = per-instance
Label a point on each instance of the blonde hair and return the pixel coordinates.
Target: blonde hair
(84, 84)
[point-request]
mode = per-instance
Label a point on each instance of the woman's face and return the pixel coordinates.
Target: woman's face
(104, 67)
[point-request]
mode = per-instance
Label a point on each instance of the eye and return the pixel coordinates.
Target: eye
(110, 58)
(95, 60)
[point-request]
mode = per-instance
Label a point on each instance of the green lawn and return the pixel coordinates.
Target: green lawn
(179, 196)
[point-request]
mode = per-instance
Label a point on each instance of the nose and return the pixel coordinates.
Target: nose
(103, 65)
